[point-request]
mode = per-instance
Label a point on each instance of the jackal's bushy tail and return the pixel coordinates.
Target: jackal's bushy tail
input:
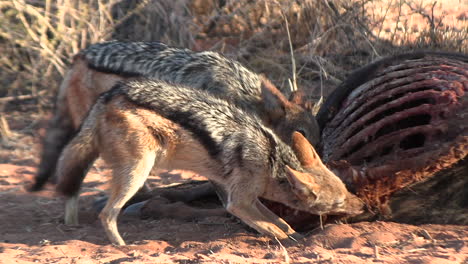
(57, 136)
(59, 132)
(79, 155)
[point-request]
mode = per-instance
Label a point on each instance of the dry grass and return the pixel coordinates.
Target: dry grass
(41, 37)
(329, 38)
(254, 32)
(423, 24)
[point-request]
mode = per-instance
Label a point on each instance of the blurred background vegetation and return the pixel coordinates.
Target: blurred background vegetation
(38, 38)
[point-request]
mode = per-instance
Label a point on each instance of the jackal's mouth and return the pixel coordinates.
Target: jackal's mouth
(298, 219)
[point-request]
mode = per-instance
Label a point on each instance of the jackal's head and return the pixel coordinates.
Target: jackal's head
(318, 190)
(286, 117)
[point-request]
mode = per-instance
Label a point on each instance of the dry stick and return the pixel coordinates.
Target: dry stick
(36, 35)
(397, 22)
(292, 85)
(287, 259)
(384, 18)
(321, 222)
(376, 252)
(317, 105)
(426, 234)
(5, 131)
(369, 42)
(21, 97)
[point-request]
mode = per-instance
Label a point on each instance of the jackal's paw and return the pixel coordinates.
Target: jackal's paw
(292, 240)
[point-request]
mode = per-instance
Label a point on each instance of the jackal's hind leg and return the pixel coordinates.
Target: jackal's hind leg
(128, 177)
(71, 210)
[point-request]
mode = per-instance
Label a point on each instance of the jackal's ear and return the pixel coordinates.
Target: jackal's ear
(302, 183)
(300, 98)
(305, 152)
(274, 101)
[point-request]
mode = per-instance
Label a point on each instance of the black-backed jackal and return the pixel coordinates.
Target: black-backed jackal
(141, 123)
(97, 68)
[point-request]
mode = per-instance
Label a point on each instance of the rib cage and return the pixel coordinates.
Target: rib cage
(397, 122)
(403, 111)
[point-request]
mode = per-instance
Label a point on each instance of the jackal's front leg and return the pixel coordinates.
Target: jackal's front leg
(292, 234)
(250, 213)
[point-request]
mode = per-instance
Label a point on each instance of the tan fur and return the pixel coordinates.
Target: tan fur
(132, 139)
(209, 71)
(83, 88)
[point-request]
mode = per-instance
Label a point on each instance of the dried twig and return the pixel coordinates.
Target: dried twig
(376, 252)
(426, 234)
(21, 97)
(287, 259)
(293, 84)
(5, 132)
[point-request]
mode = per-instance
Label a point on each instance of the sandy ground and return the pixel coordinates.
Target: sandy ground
(32, 229)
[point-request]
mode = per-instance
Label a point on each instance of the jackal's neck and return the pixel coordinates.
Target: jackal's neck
(283, 156)
(279, 189)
